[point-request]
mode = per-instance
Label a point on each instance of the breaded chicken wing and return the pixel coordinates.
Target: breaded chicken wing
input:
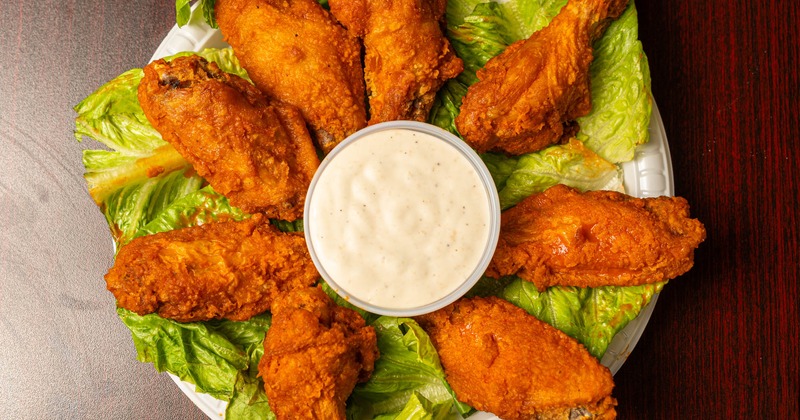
(254, 151)
(232, 270)
(529, 96)
(407, 58)
(314, 354)
(295, 51)
(599, 238)
(500, 359)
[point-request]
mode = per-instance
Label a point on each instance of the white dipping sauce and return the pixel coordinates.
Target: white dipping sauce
(399, 219)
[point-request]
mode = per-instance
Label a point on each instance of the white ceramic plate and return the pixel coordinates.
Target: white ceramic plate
(649, 174)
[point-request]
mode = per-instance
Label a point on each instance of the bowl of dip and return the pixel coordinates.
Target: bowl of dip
(402, 218)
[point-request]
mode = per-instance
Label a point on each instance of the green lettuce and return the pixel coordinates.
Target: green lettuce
(571, 164)
(525, 16)
(197, 352)
(407, 369)
(420, 408)
(197, 208)
(621, 98)
(183, 12)
(136, 204)
(249, 400)
(591, 316)
(219, 357)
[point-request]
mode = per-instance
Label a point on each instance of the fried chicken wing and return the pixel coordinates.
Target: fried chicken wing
(314, 354)
(295, 51)
(231, 270)
(500, 359)
(256, 152)
(407, 57)
(529, 95)
(598, 238)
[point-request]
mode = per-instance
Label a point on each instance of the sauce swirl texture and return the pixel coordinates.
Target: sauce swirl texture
(398, 219)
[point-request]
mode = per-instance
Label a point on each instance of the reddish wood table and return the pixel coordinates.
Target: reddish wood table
(722, 342)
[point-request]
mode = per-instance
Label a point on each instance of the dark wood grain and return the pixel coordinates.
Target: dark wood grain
(723, 339)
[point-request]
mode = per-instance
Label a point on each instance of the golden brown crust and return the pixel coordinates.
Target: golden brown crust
(295, 51)
(407, 57)
(500, 359)
(232, 270)
(528, 96)
(599, 238)
(314, 354)
(256, 152)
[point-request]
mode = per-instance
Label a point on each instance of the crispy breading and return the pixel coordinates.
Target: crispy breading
(500, 359)
(232, 270)
(529, 95)
(599, 238)
(295, 51)
(314, 354)
(407, 57)
(254, 151)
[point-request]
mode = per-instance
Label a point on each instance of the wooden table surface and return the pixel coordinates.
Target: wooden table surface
(721, 343)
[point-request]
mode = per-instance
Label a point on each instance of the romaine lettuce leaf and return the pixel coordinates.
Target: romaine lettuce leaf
(570, 164)
(112, 115)
(484, 34)
(138, 203)
(591, 316)
(447, 103)
(487, 286)
(219, 357)
(197, 208)
(621, 98)
(193, 351)
(528, 16)
(249, 400)
(183, 12)
(533, 15)
(408, 365)
(420, 408)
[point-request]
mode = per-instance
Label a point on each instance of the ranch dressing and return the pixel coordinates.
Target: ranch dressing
(398, 219)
